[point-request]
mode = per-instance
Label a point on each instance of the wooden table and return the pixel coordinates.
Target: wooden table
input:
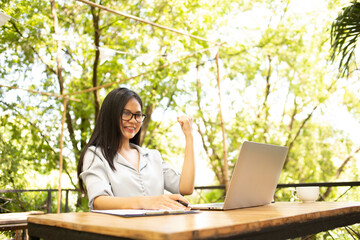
(275, 221)
(16, 222)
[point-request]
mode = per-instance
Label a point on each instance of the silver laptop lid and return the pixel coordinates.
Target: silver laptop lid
(255, 175)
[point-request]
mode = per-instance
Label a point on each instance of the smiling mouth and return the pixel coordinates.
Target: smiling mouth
(131, 129)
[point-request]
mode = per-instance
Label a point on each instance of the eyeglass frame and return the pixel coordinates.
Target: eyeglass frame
(132, 115)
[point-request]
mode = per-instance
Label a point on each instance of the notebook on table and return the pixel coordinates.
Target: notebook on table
(143, 212)
(254, 179)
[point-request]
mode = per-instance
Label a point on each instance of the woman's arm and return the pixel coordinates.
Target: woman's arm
(141, 202)
(187, 178)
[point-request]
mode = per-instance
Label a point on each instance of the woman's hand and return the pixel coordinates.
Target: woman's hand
(186, 124)
(165, 202)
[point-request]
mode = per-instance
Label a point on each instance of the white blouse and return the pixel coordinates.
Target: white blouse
(153, 177)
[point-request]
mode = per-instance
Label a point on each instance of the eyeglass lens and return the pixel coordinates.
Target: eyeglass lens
(127, 116)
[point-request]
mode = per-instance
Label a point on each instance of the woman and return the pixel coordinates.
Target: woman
(118, 173)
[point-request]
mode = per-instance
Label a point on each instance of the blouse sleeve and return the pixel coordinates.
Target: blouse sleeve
(171, 178)
(95, 177)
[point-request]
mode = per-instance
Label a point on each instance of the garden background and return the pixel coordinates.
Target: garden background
(257, 70)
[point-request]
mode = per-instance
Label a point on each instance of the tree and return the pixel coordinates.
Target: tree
(55, 47)
(276, 83)
(345, 32)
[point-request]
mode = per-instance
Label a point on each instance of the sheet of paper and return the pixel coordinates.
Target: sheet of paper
(138, 213)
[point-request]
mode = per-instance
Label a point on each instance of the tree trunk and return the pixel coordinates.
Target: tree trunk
(225, 165)
(339, 171)
(96, 17)
(148, 111)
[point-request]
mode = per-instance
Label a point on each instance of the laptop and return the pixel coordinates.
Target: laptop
(254, 179)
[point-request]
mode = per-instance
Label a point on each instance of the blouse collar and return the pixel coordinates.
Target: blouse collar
(143, 152)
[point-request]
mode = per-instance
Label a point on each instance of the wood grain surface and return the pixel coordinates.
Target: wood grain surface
(206, 224)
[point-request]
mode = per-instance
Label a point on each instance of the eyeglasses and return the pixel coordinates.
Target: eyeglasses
(139, 117)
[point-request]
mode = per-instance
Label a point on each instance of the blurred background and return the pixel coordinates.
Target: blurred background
(270, 71)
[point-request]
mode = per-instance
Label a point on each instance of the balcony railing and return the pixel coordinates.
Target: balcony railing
(48, 202)
(287, 185)
(328, 185)
(47, 206)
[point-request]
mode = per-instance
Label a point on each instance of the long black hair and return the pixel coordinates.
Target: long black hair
(107, 133)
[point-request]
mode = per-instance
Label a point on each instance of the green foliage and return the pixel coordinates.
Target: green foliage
(345, 32)
(24, 147)
(275, 78)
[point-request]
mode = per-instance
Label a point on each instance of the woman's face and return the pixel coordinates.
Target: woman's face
(131, 127)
